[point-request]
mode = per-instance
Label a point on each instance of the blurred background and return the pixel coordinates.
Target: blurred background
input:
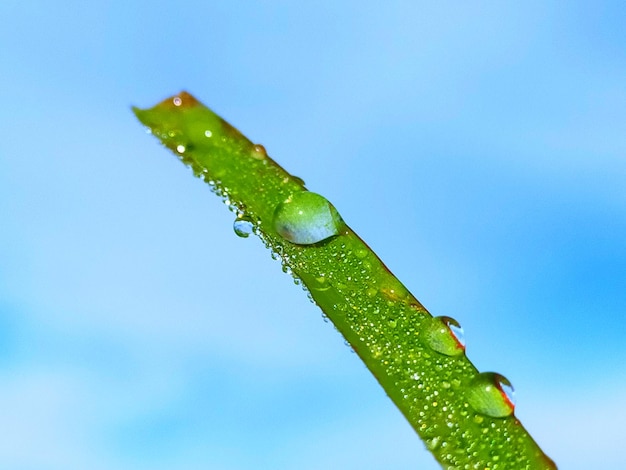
(478, 147)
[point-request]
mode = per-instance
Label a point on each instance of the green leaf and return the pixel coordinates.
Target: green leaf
(465, 418)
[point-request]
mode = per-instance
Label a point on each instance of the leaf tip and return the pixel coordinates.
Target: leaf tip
(181, 100)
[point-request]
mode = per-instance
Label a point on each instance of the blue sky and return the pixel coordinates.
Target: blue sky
(478, 147)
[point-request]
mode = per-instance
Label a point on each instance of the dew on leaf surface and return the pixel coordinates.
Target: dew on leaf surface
(445, 335)
(243, 226)
(491, 394)
(307, 218)
(320, 284)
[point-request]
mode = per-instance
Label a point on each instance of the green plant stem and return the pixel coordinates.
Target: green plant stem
(385, 325)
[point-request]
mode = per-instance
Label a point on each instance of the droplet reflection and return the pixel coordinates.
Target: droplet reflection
(445, 335)
(243, 226)
(307, 218)
(492, 394)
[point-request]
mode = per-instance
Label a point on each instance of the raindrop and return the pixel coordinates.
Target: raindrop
(243, 226)
(307, 218)
(180, 148)
(208, 133)
(491, 394)
(177, 101)
(445, 335)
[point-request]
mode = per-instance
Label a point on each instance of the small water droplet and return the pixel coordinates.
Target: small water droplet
(307, 218)
(208, 133)
(371, 291)
(243, 226)
(320, 284)
(433, 443)
(445, 335)
(177, 101)
(491, 394)
(258, 152)
(180, 148)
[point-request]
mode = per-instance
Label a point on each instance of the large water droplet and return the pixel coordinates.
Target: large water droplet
(243, 226)
(445, 335)
(491, 394)
(306, 218)
(258, 152)
(320, 284)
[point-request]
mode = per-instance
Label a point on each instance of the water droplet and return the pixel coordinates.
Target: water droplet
(491, 394)
(321, 284)
(433, 443)
(243, 226)
(306, 218)
(208, 133)
(177, 101)
(180, 148)
(445, 335)
(258, 152)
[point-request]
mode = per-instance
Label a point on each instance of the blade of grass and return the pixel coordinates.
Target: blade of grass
(465, 418)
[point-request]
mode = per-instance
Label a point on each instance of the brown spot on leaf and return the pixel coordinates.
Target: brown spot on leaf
(394, 294)
(231, 131)
(549, 462)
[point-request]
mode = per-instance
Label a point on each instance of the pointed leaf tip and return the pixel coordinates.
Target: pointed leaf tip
(181, 101)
